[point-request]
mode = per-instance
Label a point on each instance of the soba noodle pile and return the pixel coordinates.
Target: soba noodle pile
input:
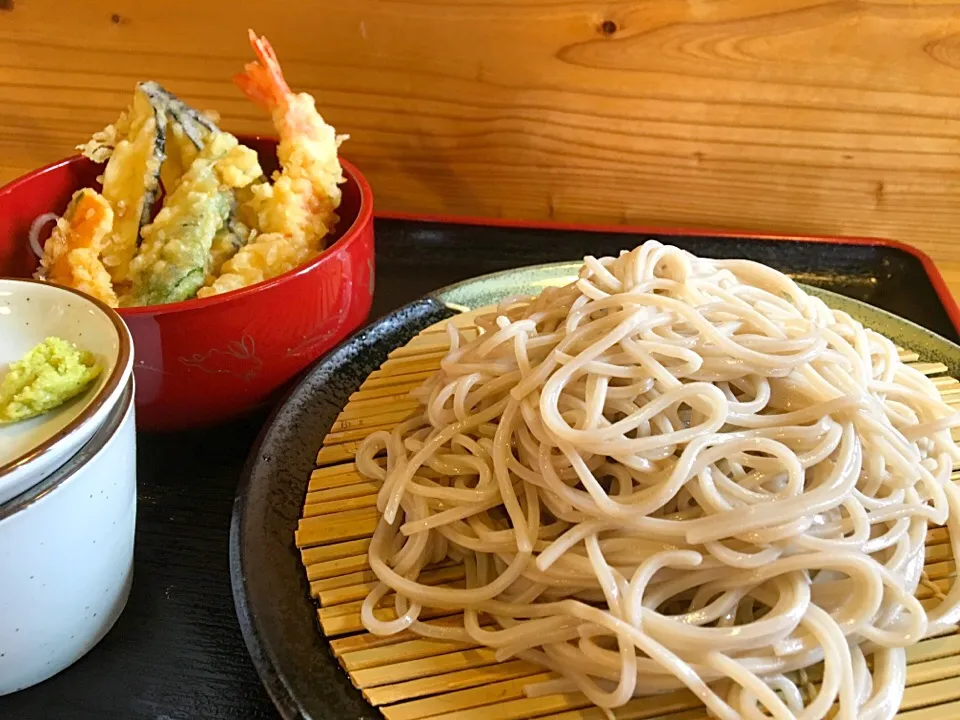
(674, 472)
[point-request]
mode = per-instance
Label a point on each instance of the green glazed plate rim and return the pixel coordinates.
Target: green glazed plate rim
(490, 289)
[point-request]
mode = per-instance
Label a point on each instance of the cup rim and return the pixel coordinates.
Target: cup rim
(120, 371)
(101, 438)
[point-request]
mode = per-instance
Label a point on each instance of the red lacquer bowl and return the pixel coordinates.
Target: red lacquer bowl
(201, 362)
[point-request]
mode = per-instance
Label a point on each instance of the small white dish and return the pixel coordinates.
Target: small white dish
(30, 312)
(66, 563)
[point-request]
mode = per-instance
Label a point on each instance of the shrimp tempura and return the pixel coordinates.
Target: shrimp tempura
(296, 212)
(71, 256)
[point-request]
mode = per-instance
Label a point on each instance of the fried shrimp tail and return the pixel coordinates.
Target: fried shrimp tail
(71, 255)
(262, 81)
(298, 209)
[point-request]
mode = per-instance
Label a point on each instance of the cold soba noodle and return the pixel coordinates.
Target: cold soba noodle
(674, 472)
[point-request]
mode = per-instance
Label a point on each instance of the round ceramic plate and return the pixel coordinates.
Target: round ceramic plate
(276, 613)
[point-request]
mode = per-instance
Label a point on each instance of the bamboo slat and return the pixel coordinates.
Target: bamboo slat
(405, 651)
(338, 569)
(342, 493)
(309, 556)
(449, 682)
(409, 677)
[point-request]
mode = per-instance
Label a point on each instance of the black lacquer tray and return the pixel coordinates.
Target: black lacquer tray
(414, 257)
(177, 652)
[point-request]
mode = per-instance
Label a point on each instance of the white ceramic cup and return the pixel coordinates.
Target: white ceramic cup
(31, 311)
(66, 555)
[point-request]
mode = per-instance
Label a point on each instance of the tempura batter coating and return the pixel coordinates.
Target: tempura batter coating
(188, 132)
(264, 257)
(228, 240)
(131, 182)
(71, 256)
(173, 260)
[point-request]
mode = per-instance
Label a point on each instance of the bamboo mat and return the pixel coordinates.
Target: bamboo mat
(408, 677)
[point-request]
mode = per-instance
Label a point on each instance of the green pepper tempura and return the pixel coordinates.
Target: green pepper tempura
(46, 377)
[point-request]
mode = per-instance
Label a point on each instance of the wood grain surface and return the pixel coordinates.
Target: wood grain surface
(799, 116)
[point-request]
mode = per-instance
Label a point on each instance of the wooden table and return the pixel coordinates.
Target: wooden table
(796, 116)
